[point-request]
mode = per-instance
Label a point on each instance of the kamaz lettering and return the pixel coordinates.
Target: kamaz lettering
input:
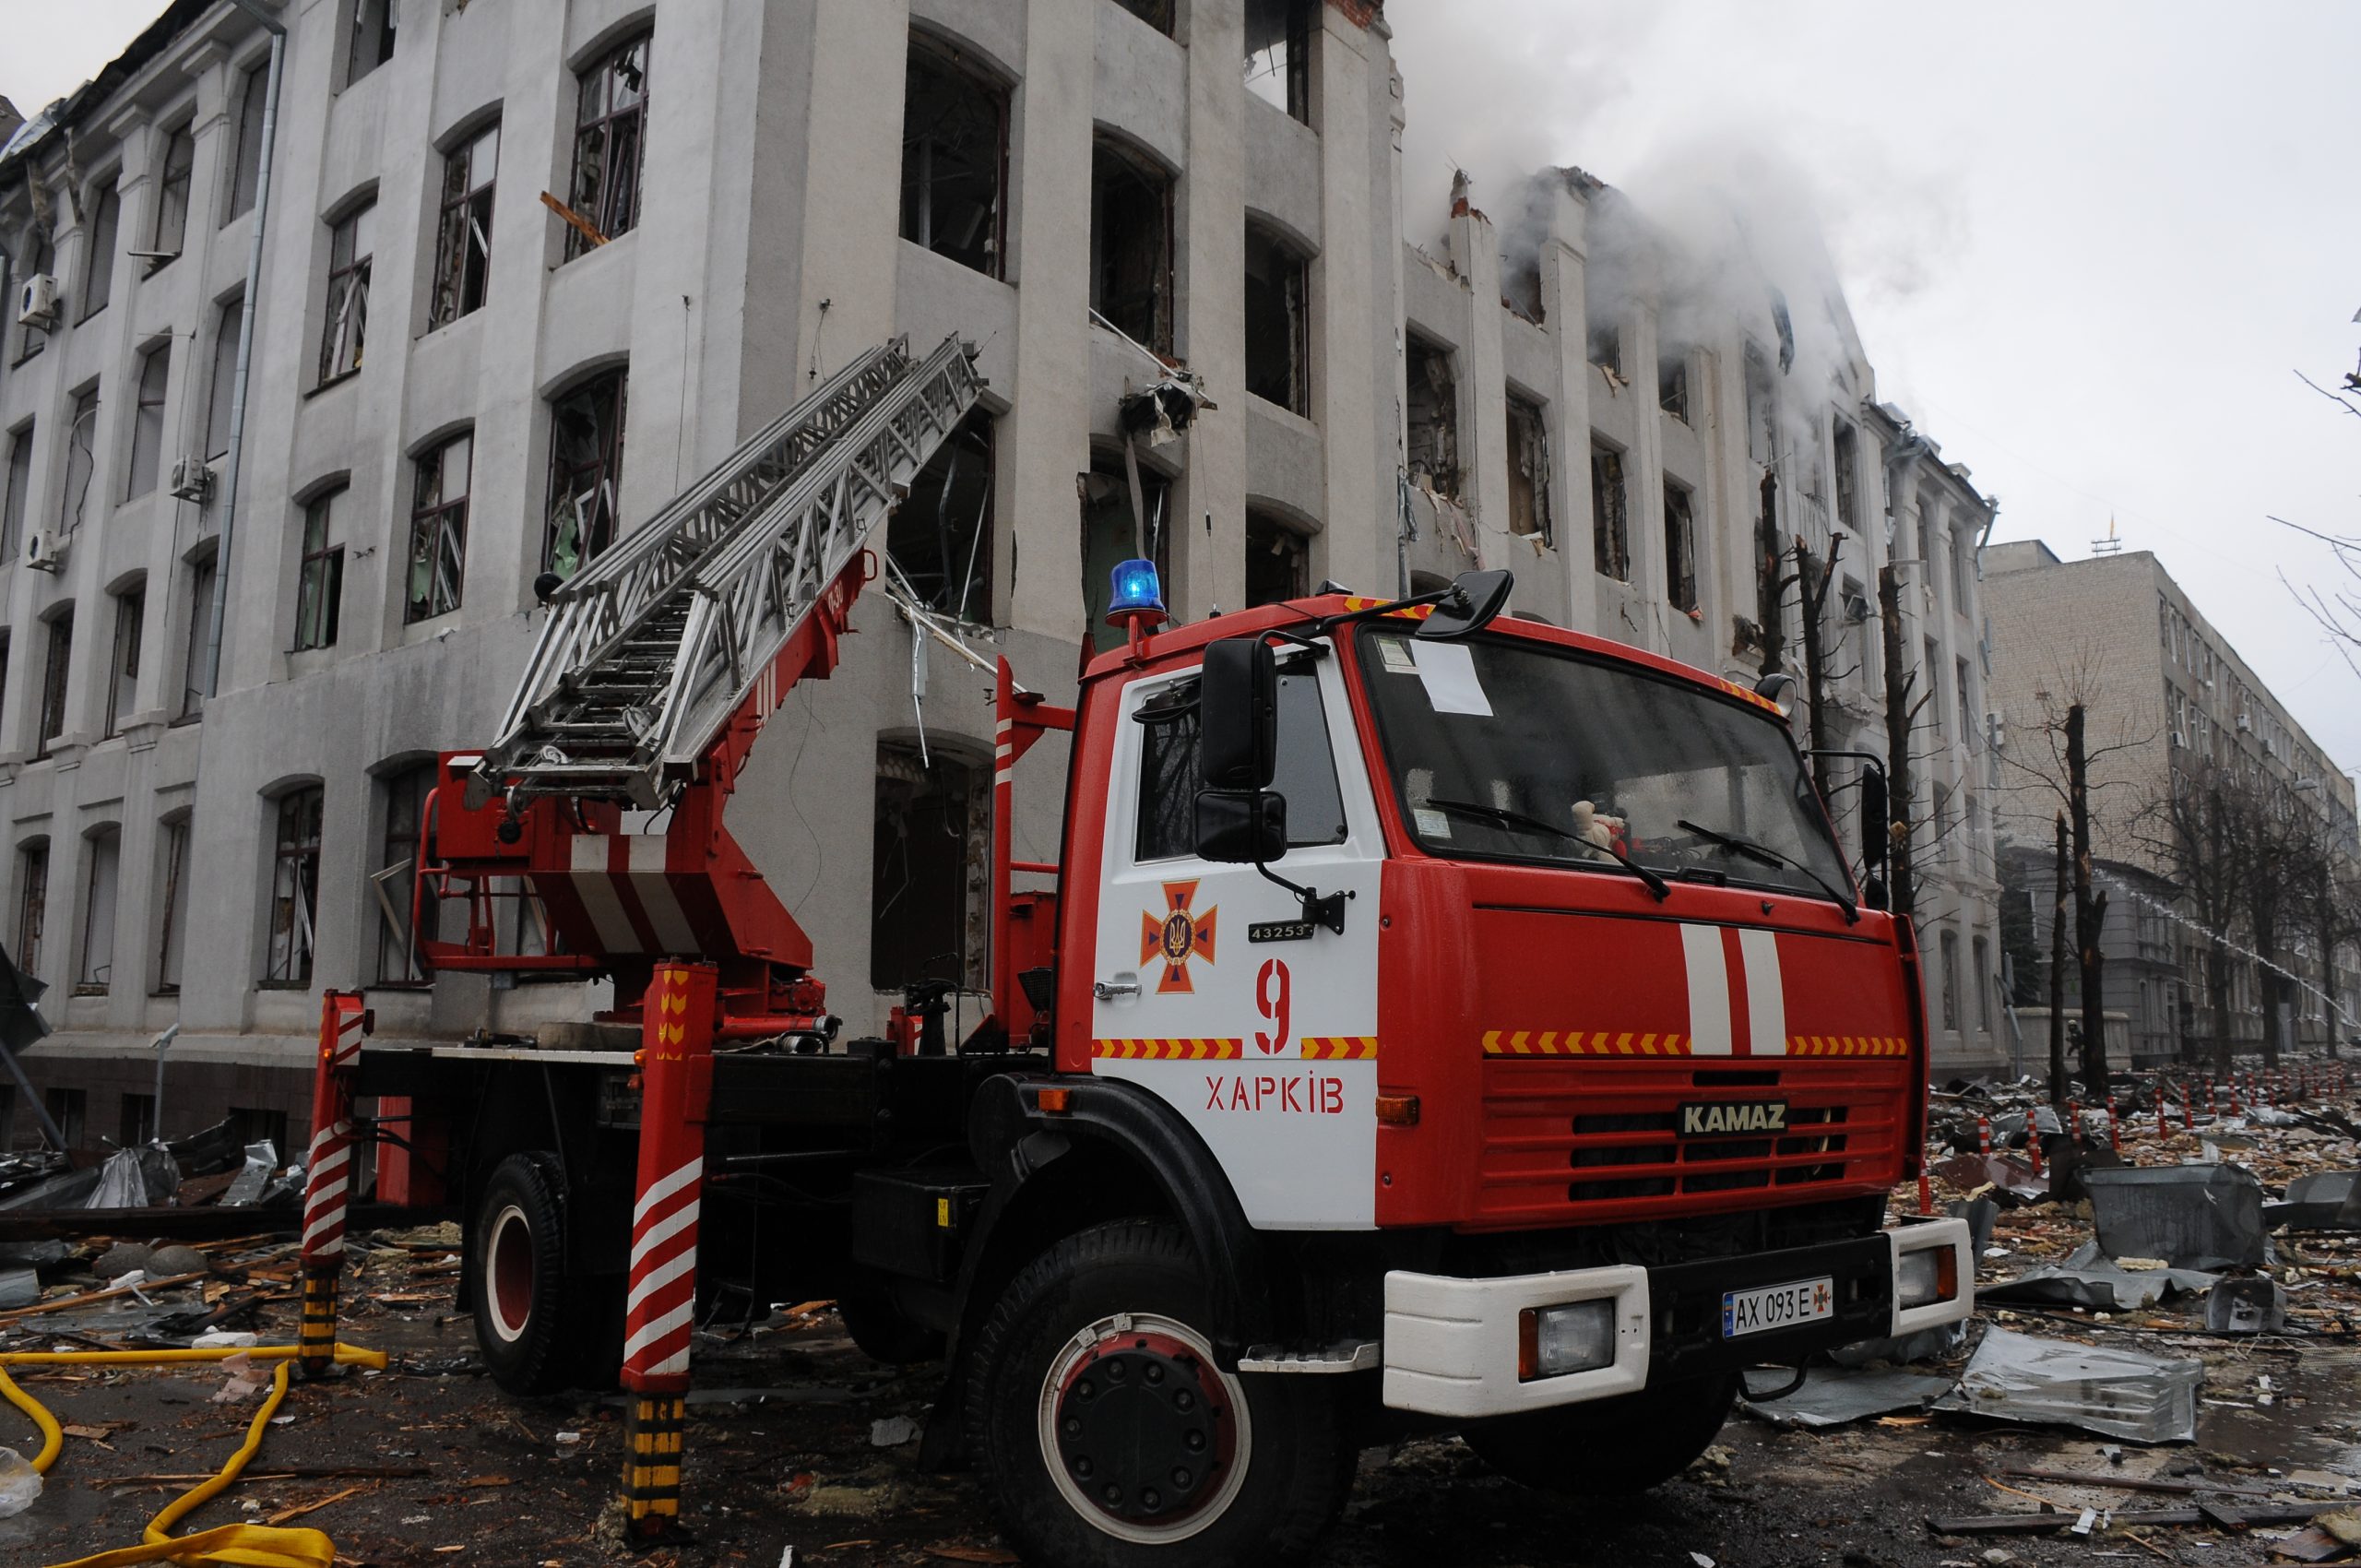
(1743, 1116)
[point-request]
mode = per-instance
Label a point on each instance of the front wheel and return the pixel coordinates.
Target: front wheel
(537, 1328)
(1111, 1439)
(1615, 1447)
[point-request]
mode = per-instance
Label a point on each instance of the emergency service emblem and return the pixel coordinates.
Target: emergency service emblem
(1176, 936)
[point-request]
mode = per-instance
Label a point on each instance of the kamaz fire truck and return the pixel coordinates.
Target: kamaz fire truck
(1439, 1021)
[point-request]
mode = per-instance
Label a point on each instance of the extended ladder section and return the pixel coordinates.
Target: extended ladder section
(652, 647)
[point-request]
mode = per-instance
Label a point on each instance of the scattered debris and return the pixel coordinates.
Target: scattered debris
(1835, 1396)
(2017, 1377)
(2087, 1279)
(2203, 1216)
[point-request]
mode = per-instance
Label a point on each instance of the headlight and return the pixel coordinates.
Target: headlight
(1553, 1341)
(1926, 1276)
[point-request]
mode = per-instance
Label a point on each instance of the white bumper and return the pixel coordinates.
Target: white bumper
(1451, 1344)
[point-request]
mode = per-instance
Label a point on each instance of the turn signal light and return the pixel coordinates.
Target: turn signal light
(1397, 1110)
(1055, 1101)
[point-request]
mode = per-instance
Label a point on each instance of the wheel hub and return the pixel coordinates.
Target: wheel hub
(1143, 1428)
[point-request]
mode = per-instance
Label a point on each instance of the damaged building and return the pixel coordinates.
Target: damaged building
(523, 274)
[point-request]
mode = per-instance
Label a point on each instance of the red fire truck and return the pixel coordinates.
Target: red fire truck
(1439, 1020)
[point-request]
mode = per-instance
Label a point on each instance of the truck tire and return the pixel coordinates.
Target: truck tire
(1109, 1439)
(1615, 1447)
(882, 1332)
(522, 1312)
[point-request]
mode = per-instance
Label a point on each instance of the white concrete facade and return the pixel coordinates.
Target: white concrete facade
(768, 250)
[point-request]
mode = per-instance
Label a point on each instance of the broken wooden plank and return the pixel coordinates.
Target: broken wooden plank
(2044, 1524)
(107, 1295)
(2132, 1483)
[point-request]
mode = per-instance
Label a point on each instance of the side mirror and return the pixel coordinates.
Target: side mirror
(1475, 598)
(1777, 687)
(1237, 716)
(1242, 826)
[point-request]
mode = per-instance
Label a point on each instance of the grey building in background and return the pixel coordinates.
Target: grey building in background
(531, 267)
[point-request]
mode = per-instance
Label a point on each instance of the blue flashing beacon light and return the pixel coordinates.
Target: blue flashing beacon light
(1136, 593)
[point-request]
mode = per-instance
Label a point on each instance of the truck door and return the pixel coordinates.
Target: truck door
(1214, 991)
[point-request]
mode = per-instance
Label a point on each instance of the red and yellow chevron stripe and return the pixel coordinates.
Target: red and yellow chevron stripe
(1577, 1042)
(1167, 1049)
(1848, 1045)
(1355, 603)
(1339, 1047)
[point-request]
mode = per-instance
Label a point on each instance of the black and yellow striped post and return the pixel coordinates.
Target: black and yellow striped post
(652, 1484)
(315, 1336)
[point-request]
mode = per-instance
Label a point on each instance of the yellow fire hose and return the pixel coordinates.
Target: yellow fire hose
(240, 1546)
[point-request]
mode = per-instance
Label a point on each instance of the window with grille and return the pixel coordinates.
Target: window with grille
(319, 577)
(343, 330)
(172, 192)
(463, 234)
(147, 421)
(52, 678)
(610, 132)
(438, 530)
(122, 681)
(586, 465)
(295, 887)
(98, 267)
(246, 169)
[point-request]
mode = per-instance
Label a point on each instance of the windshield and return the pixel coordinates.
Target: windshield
(1501, 749)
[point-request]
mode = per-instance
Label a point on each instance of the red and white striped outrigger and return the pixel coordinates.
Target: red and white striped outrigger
(327, 1185)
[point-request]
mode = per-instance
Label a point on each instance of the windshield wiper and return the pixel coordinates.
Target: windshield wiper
(1764, 855)
(1656, 884)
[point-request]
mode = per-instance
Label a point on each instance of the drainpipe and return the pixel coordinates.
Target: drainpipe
(267, 14)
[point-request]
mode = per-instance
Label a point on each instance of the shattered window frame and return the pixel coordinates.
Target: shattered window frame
(344, 326)
(929, 530)
(1949, 946)
(1432, 380)
(1279, 71)
(123, 673)
(404, 793)
(1126, 188)
(1761, 405)
(179, 161)
(319, 576)
(1158, 14)
(295, 887)
(56, 672)
(1672, 385)
(100, 241)
(586, 467)
(435, 583)
(1530, 472)
(1603, 343)
(1110, 512)
(1845, 444)
(246, 165)
(1611, 518)
(949, 795)
(102, 887)
(1278, 559)
(371, 43)
(609, 142)
(1680, 545)
(973, 107)
(147, 421)
(221, 390)
(81, 460)
(463, 230)
(172, 935)
(17, 494)
(33, 904)
(200, 625)
(1279, 320)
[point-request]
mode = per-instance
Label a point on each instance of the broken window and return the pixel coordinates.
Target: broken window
(1679, 546)
(1762, 408)
(1605, 344)
(33, 904)
(1610, 527)
(1130, 246)
(81, 458)
(295, 887)
(1672, 385)
(929, 912)
(438, 529)
(245, 167)
(222, 392)
(123, 680)
(173, 936)
(70, 1110)
(1848, 497)
(53, 674)
(319, 576)
(1157, 13)
(1961, 695)
(352, 241)
(941, 537)
(147, 421)
(463, 235)
(1981, 978)
(1110, 537)
(98, 265)
(21, 484)
(1278, 54)
(1934, 667)
(1278, 330)
(610, 130)
(200, 624)
(172, 192)
(405, 793)
(1278, 560)
(1434, 415)
(1950, 980)
(137, 1125)
(102, 865)
(1529, 469)
(586, 465)
(955, 159)
(372, 37)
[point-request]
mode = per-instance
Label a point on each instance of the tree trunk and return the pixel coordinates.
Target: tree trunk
(2217, 1001)
(2060, 1084)
(1904, 880)
(1814, 580)
(1766, 577)
(2266, 936)
(2090, 909)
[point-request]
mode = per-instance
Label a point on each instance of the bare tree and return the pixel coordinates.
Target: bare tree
(2197, 830)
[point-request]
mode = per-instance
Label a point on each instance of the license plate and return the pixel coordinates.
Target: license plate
(1776, 1306)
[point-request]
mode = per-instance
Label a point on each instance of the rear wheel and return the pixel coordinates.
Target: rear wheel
(1111, 1439)
(1608, 1447)
(524, 1321)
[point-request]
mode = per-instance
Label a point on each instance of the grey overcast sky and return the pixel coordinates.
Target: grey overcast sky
(2087, 246)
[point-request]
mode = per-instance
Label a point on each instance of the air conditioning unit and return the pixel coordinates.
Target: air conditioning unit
(192, 479)
(2245, 725)
(43, 551)
(2180, 741)
(37, 302)
(1856, 609)
(1997, 730)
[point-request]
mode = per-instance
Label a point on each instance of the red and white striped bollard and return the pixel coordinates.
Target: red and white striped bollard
(327, 1176)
